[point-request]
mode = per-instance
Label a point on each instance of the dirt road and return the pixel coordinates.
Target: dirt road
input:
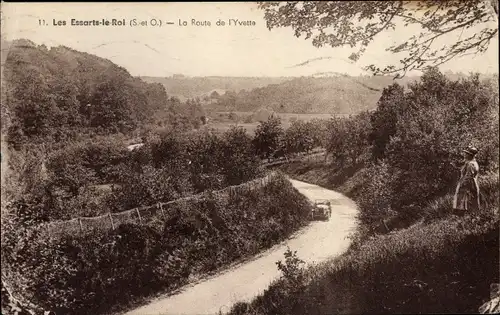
(314, 243)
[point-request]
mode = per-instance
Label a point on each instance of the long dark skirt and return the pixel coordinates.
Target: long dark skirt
(465, 198)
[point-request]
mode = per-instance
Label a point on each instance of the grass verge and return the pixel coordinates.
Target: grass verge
(445, 266)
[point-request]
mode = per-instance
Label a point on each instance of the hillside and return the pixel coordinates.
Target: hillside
(185, 87)
(59, 92)
(329, 95)
(301, 95)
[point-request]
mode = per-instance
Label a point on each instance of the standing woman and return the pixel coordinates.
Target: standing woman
(467, 192)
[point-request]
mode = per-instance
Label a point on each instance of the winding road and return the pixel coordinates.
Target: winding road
(314, 243)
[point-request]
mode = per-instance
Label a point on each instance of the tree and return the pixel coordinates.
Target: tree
(168, 148)
(348, 138)
(34, 108)
(67, 171)
(439, 119)
(110, 109)
(48, 100)
(299, 137)
(384, 118)
(320, 131)
(147, 185)
(104, 156)
(214, 95)
(357, 23)
(205, 153)
(268, 137)
(239, 161)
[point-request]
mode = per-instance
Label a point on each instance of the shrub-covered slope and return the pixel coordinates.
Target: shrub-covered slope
(87, 274)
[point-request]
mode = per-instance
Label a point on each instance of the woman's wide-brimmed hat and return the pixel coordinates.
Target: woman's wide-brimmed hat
(471, 150)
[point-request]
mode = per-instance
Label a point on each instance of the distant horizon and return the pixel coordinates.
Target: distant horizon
(182, 75)
(306, 76)
(459, 72)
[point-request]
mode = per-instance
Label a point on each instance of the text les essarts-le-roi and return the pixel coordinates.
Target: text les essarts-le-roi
(76, 22)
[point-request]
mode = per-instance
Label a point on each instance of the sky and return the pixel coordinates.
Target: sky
(213, 50)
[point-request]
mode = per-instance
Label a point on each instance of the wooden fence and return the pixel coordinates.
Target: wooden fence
(143, 215)
(308, 156)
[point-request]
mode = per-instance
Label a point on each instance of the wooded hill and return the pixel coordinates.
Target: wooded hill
(303, 95)
(329, 95)
(185, 87)
(58, 93)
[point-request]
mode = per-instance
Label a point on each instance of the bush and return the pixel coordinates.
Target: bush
(320, 132)
(488, 194)
(170, 165)
(212, 160)
(86, 163)
(375, 196)
(146, 185)
(292, 270)
(205, 155)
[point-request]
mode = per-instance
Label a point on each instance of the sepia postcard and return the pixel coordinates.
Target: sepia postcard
(260, 158)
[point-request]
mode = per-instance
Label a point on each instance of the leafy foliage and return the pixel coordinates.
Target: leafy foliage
(383, 120)
(186, 87)
(407, 149)
(292, 269)
(240, 162)
(56, 94)
(434, 121)
(173, 164)
(347, 139)
(299, 137)
(268, 137)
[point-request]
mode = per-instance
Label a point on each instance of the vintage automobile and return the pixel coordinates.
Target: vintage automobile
(322, 209)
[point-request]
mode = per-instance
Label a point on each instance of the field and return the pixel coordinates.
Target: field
(288, 116)
(223, 121)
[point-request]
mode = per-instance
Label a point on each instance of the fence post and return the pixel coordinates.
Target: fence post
(80, 223)
(111, 218)
(383, 221)
(160, 205)
(139, 215)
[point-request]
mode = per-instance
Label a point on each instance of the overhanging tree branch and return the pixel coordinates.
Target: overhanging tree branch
(356, 24)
